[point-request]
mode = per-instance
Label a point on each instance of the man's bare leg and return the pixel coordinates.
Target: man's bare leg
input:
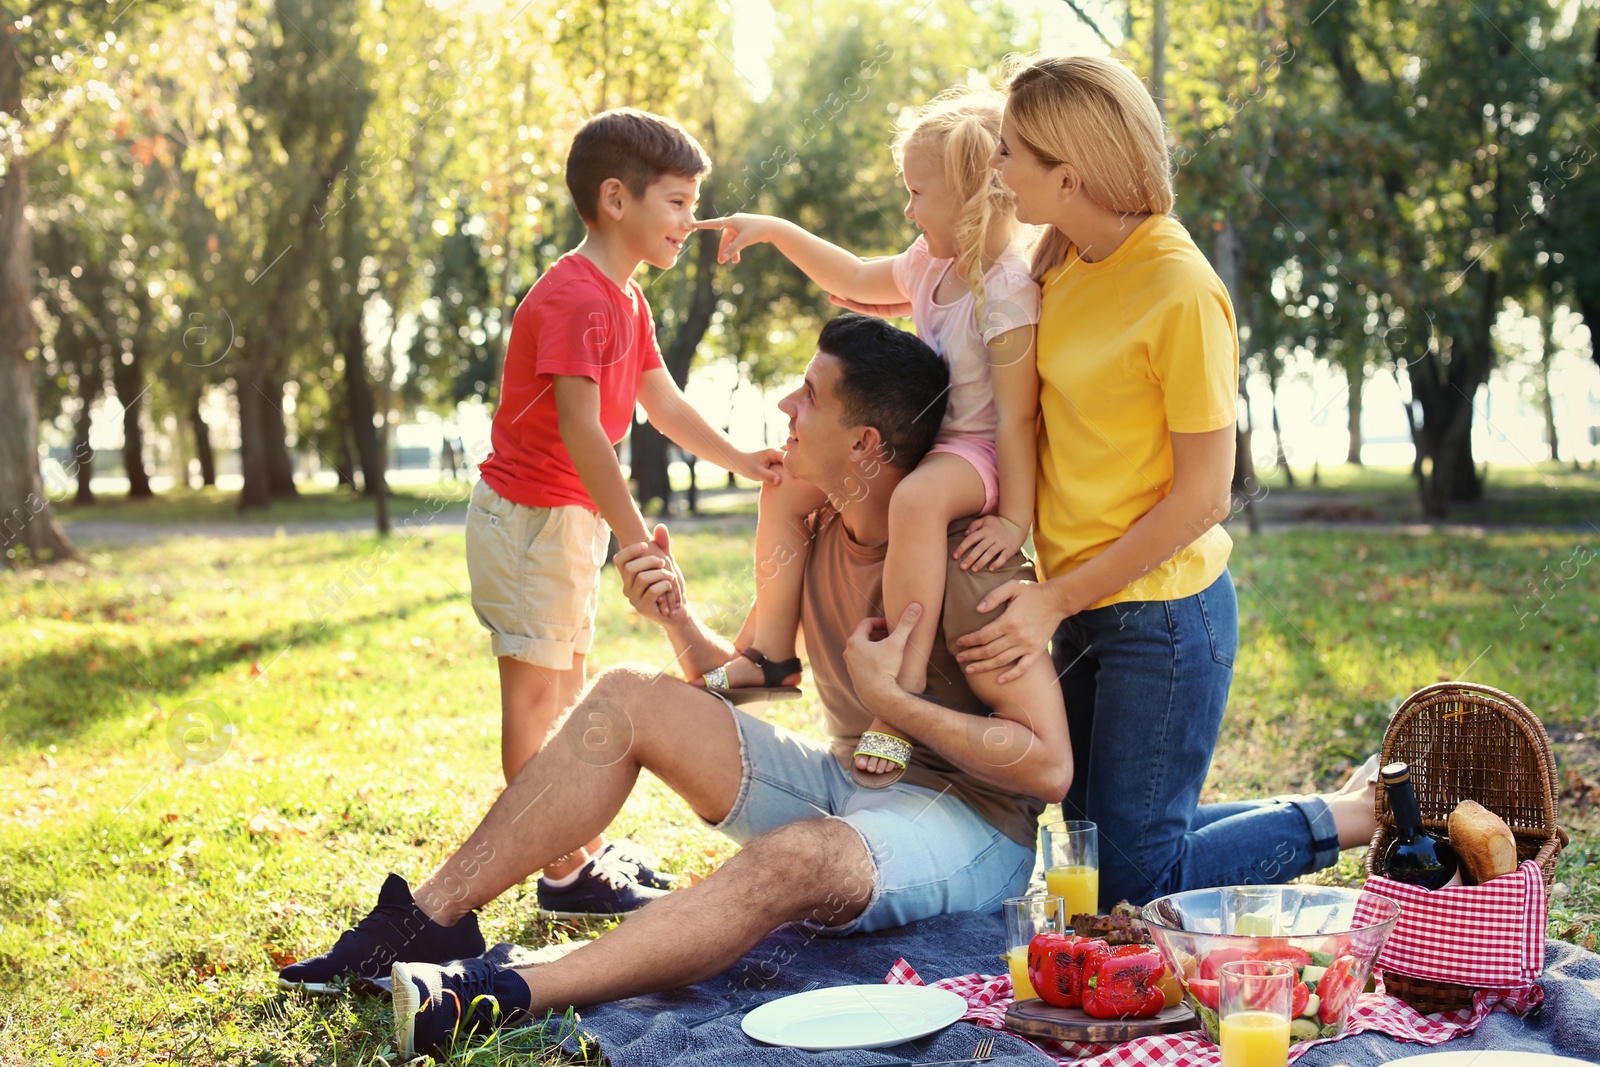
(573, 788)
(817, 869)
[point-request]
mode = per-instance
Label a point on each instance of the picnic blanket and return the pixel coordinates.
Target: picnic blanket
(699, 1026)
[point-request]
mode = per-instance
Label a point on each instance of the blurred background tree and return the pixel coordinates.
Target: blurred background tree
(273, 230)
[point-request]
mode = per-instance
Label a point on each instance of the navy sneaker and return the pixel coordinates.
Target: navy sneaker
(606, 887)
(395, 929)
(643, 864)
(433, 1005)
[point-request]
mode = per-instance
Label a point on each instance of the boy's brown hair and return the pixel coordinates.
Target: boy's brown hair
(633, 146)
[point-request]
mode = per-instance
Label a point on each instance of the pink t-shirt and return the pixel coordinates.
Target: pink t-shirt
(1011, 301)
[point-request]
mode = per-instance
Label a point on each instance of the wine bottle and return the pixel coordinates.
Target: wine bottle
(1415, 855)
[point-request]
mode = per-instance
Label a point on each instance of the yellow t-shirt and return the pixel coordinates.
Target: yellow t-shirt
(1131, 348)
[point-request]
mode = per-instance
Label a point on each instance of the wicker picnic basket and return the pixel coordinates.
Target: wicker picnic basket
(1470, 742)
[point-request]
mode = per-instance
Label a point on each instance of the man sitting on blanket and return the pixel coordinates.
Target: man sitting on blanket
(955, 833)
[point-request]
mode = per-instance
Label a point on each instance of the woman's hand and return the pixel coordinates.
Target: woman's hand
(739, 231)
(1018, 637)
(990, 541)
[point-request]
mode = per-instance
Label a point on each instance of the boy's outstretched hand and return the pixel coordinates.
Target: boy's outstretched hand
(739, 231)
(762, 465)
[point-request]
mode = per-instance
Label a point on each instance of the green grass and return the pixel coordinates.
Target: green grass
(1525, 494)
(142, 897)
(315, 503)
(321, 503)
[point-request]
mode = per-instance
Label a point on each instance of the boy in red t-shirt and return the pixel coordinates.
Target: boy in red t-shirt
(582, 351)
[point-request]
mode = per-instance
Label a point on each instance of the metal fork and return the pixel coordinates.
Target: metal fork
(809, 987)
(983, 1051)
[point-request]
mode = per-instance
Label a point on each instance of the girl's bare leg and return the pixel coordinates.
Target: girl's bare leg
(943, 488)
(781, 551)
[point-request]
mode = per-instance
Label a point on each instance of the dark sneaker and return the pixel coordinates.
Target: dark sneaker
(643, 864)
(433, 1005)
(395, 929)
(607, 886)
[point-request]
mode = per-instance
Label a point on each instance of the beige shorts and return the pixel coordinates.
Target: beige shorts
(535, 576)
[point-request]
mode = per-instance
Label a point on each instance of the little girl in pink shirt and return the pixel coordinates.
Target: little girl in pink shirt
(974, 302)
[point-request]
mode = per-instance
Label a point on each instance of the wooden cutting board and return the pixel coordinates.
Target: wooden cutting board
(1035, 1018)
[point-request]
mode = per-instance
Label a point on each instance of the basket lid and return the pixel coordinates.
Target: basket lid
(1465, 741)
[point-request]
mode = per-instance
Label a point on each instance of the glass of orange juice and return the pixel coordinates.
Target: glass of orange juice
(1025, 917)
(1072, 866)
(1255, 1002)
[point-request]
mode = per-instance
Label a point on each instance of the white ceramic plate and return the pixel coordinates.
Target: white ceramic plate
(854, 1016)
(1490, 1058)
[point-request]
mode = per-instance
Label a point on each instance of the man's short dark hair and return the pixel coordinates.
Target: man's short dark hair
(633, 146)
(890, 380)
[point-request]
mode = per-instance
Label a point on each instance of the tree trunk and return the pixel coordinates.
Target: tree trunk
(263, 444)
(91, 380)
(128, 379)
(280, 462)
(26, 519)
(358, 399)
(1229, 255)
(344, 465)
(1445, 394)
(1158, 57)
(1547, 403)
(253, 428)
(649, 448)
(202, 444)
(1356, 376)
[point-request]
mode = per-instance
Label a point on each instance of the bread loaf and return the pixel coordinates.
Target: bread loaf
(1483, 841)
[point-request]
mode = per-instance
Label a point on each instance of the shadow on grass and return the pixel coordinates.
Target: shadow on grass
(50, 697)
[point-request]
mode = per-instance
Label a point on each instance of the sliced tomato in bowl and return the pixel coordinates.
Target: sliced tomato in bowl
(1337, 989)
(1208, 991)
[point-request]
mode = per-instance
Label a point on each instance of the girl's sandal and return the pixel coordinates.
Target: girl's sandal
(772, 674)
(896, 750)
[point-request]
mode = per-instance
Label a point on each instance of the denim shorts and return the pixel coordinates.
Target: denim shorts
(931, 853)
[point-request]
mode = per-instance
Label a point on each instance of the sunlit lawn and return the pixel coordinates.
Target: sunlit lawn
(143, 899)
(1544, 493)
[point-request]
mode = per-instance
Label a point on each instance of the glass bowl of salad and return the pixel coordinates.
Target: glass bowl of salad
(1310, 927)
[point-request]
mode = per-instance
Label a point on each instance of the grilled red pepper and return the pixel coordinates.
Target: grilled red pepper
(1126, 984)
(1059, 966)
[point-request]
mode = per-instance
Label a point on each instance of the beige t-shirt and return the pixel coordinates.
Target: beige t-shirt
(844, 584)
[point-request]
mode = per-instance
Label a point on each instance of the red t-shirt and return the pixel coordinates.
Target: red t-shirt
(573, 321)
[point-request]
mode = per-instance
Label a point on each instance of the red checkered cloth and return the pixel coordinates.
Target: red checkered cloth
(1488, 936)
(988, 997)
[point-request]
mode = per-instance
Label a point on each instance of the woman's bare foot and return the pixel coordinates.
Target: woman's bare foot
(1354, 806)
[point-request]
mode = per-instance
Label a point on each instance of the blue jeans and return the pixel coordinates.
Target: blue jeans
(1146, 683)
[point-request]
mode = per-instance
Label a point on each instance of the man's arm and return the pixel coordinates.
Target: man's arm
(1023, 747)
(648, 571)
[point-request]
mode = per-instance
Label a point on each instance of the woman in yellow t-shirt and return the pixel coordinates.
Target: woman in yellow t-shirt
(1138, 367)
